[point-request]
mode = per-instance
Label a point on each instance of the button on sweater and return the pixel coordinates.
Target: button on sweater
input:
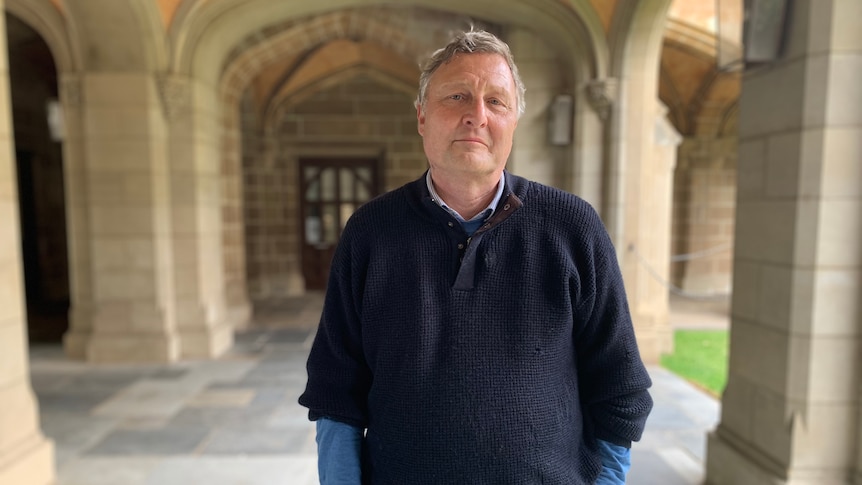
(502, 362)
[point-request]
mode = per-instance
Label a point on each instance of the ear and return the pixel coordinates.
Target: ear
(420, 118)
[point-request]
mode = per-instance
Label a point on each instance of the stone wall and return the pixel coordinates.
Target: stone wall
(704, 203)
(361, 117)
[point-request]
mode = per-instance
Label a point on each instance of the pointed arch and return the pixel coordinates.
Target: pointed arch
(204, 33)
(119, 36)
(50, 23)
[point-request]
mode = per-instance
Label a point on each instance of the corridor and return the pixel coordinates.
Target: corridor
(235, 420)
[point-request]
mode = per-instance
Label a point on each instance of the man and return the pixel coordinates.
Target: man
(475, 328)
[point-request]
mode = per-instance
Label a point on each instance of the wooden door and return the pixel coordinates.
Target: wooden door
(331, 190)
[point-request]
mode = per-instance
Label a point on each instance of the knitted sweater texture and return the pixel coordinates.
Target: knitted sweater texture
(495, 359)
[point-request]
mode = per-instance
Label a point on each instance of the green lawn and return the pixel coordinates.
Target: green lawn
(701, 357)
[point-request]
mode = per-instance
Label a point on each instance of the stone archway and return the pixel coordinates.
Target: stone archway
(41, 194)
(579, 46)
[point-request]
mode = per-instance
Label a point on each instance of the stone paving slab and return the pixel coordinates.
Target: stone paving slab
(236, 420)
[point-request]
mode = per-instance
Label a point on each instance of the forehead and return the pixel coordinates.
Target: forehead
(474, 69)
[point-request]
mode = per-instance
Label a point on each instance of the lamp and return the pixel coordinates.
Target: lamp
(56, 126)
(560, 120)
(763, 30)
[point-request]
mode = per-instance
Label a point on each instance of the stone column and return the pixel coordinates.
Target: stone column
(647, 254)
(195, 197)
(121, 224)
(641, 156)
(26, 457)
(77, 218)
(791, 409)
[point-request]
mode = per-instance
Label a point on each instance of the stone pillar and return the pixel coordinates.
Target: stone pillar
(641, 156)
(26, 457)
(791, 409)
(77, 218)
(593, 107)
(647, 254)
(195, 196)
(121, 224)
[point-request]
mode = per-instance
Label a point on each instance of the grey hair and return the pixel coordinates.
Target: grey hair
(475, 41)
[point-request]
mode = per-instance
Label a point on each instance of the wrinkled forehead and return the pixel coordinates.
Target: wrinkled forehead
(475, 69)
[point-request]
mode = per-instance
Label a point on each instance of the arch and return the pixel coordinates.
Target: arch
(50, 23)
(344, 60)
(312, 35)
(573, 28)
(134, 27)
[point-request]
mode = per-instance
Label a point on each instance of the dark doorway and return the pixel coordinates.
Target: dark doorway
(41, 195)
(331, 190)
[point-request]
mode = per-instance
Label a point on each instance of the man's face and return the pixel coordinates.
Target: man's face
(469, 117)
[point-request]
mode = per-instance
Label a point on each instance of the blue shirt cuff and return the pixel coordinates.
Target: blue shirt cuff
(338, 453)
(616, 461)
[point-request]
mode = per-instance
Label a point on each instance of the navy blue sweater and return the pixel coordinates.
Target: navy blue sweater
(496, 358)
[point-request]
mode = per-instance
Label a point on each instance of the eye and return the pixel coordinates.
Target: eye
(456, 97)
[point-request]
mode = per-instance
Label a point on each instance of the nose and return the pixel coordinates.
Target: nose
(476, 114)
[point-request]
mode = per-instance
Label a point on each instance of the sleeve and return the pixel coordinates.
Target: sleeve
(339, 378)
(613, 379)
(339, 447)
(616, 461)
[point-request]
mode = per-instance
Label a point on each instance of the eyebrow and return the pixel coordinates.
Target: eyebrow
(493, 88)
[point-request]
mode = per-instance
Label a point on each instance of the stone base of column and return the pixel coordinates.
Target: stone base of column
(132, 347)
(730, 461)
(238, 315)
(75, 344)
(80, 327)
(30, 463)
(727, 464)
(205, 342)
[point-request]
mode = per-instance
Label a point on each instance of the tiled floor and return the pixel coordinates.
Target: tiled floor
(236, 420)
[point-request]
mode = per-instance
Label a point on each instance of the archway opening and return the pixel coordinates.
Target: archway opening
(38, 151)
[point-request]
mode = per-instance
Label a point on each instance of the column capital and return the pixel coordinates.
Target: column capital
(175, 94)
(71, 91)
(602, 94)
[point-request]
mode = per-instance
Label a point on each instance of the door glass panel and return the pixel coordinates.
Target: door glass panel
(310, 173)
(346, 212)
(362, 192)
(327, 183)
(312, 193)
(363, 184)
(346, 183)
(330, 224)
(364, 174)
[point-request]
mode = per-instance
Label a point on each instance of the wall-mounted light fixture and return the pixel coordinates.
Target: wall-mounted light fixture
(56, 125)
(763, 30)
(560, 115)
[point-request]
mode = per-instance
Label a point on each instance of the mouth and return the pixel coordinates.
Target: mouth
(472, 140)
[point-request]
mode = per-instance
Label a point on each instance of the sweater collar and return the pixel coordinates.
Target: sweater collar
(485, 213)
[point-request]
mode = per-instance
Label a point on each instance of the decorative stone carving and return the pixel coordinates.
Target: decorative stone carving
(71, 92)
(175, 93)
(602, 94)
